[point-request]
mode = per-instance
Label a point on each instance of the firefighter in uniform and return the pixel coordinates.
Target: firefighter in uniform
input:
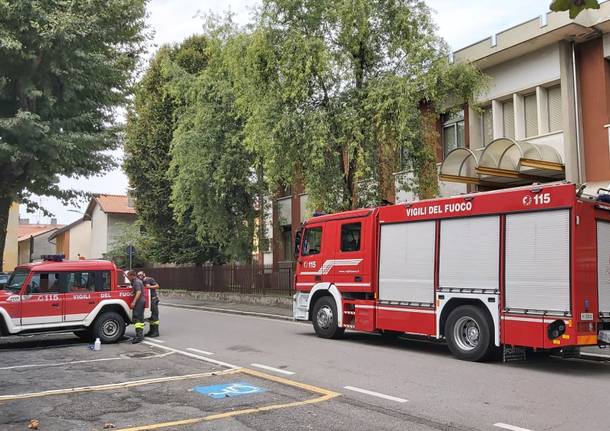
(154, 304)
(137, 304)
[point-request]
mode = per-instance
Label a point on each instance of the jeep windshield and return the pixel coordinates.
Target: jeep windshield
(16, 280)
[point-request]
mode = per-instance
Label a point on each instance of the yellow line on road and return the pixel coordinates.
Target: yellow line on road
(325, 396)
(130, 384)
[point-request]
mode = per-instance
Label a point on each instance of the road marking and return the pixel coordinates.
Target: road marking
(376, 394)
(84, 361)
(192, 355)
(122, 385)
(203, 352)
(596, 355)
(156, 340)
(277, 370)
(325, 395)
(510, 427)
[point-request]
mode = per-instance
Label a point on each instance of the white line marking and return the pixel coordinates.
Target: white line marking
(510, 427)
(277, 370)
(192, 355)
(85, 361)
(375, 394)
(203, 352)
(156, 340)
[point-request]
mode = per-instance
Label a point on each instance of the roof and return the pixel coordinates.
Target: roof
(345, 214)
(66, 228)
(110, 204)
(25, 231)
(69, 265)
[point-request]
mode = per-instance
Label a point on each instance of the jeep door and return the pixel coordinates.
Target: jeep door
(84, 291)
(41, 299)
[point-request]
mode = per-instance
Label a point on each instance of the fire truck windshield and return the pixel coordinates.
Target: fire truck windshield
(16, 280)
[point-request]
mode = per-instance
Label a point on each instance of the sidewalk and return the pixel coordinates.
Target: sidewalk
(284, 312)
(278, 311)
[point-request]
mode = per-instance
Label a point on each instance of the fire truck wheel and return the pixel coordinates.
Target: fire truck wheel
(109, 327)
(325, 320)
(468, 333)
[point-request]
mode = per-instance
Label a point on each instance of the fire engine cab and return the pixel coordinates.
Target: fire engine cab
(89, 297)
(525, 268)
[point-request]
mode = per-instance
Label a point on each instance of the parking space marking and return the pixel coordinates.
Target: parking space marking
(276, 370)
(192, 355)
(203, 352)
(376, 394)
(84, 361)
(325, 395)
(156, 340)
(510, 427)
(109, 386)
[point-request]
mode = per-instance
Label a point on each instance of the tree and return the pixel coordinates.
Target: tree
(150, 127)
(213, 172)
(129, 234)
(333, 93)
(574, 6)
(65, 66)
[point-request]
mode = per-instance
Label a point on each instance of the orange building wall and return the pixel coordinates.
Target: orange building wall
(594, 80)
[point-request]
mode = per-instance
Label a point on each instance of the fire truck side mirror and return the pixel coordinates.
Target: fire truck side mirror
(297, 243)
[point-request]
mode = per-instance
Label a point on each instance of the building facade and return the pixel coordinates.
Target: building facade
(10, 259)
(108, 215)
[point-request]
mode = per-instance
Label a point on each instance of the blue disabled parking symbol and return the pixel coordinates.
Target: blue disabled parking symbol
(229, 390)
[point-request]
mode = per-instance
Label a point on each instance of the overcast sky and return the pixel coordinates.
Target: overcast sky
(461, 23)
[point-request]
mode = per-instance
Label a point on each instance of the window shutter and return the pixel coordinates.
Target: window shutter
(508, 112)
(531, 115)
(488, 127)
(554, 96)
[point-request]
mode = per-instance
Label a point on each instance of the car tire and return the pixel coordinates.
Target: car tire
(324, 318)
(109, 327)
(469, 334)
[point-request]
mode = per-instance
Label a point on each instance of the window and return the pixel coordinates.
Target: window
(44, 283)
(313, 241)
(92, 281)
(16, 280)
(350, 236)
(508, 119)
(531, 115)
(554, 98)
(487, 126)
(453, 132)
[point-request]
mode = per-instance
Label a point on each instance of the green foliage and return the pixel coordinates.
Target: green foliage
(65, 66)
(332, 91)
(150, 127)
(212, 171)
(129, 235)
(574, 6)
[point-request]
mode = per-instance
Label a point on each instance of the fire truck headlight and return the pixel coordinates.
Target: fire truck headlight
(556, 329)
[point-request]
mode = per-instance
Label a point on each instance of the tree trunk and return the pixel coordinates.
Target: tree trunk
(428, 176)
(5, 207)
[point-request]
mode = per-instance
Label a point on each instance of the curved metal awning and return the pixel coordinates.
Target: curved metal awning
(504, 162)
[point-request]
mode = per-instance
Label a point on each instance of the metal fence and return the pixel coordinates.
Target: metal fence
(243, 279)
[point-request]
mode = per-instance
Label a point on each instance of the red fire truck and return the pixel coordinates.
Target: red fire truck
(89, 297)
(522, 268)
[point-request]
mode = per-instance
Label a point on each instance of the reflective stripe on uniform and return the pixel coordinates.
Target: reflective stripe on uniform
(138, 325)
(154, 322)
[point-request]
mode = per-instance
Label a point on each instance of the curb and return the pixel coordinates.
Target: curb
(230, 311)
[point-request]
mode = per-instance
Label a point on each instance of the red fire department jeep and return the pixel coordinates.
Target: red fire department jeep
(89, 297)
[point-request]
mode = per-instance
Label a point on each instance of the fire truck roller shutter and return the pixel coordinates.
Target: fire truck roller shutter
(406, 262)
(470, 253)
(538, 261)
(603, 265)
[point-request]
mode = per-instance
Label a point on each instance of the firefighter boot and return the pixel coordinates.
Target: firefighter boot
(139, 336)
(153, 331)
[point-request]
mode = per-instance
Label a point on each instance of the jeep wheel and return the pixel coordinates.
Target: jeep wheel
(324, 318)
(109, 327)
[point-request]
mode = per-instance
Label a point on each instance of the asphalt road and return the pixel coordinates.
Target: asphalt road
(441, 392)
(220, 371)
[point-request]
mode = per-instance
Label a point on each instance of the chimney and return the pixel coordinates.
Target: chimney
(54, 220)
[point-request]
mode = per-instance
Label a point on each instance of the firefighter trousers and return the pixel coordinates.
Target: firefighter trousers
(154, 312)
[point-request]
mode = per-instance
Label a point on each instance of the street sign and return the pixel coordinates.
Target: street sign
(131, 250)
(229, 390)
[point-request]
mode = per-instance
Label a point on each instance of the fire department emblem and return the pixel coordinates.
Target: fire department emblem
(527, 200)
